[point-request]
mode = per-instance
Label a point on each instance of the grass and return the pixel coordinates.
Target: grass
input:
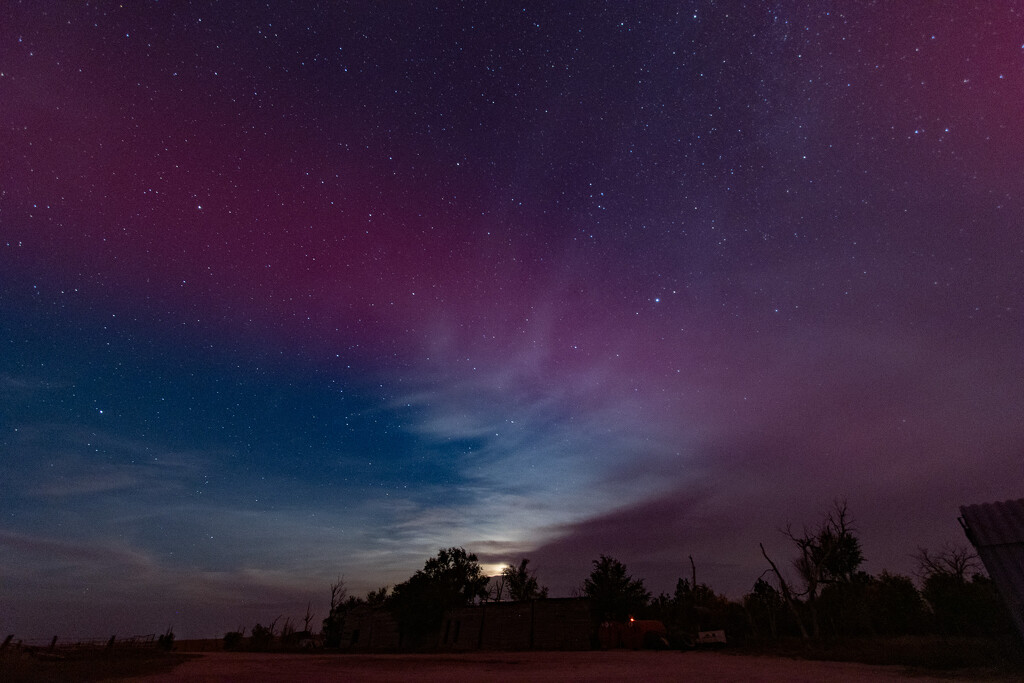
(930, 653)
(91, 664)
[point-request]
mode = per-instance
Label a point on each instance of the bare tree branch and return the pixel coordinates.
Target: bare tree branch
(786, 593)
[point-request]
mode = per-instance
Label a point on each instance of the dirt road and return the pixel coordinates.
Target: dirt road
(616, 665)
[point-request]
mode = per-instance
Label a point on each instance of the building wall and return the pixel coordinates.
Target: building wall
(563, 624)
(370, 629)
(550, 624)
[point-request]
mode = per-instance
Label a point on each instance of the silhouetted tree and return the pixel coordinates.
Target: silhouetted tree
(334, 622)
(338, 592)
(788, 597)
(697, 607)
(262, 636)
(960, 605)
(614, 594)
(288, 630)
(843, 608)
(453, 578)
(233, 639)
(307, 619)
(895, 605)
(166, 641)
(521, 583)
(764, 606)
(955, 561)
(342, 605)
(378, 597)
(497, 587)
(829, 553)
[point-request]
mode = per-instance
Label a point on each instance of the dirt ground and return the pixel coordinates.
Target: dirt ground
(615, 665)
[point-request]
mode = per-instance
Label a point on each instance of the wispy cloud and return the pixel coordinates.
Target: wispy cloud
(66, 460)
(59, 551)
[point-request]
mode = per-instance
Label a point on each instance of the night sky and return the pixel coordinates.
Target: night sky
(315, 289)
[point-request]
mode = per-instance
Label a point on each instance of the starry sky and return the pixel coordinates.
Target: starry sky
(304, 290)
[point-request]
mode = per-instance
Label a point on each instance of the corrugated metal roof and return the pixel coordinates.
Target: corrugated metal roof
(994, 523)
(997, 532)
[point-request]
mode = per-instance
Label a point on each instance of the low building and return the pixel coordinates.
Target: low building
(547, 624)
(370, 629)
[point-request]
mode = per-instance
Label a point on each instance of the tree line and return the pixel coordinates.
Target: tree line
(823, 594)
(451, 579)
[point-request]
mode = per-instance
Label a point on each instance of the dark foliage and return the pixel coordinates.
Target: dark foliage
(521, 584)
(453, 578)
(334, 622)
(166, 640)
(696, 608)
(262, 637)
(895, 606)
(830, 555)
(614, 594)
(966, 608)
(846, 609)
(962, 601)
(766, 610)
(233, 640)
